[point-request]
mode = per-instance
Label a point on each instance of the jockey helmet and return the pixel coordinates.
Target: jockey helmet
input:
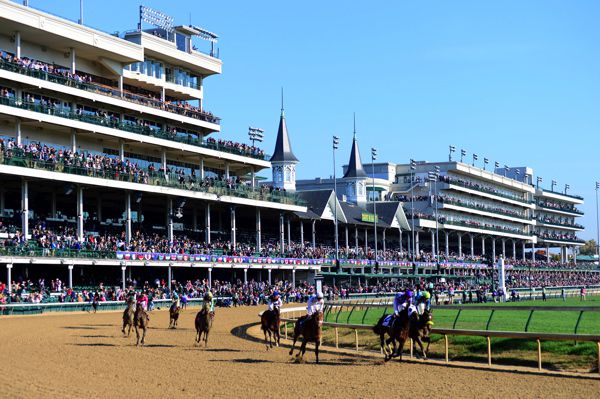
(276, 294)
(399, 294)
(426, 295)
(409, 293)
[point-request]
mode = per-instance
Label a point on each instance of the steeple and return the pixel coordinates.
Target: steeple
(355, 168)
(283, 148)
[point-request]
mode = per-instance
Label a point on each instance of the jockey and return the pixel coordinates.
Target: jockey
(208, 301)
(398, 303)
(142, 301)
(175, 299)
(275, 301)
(315, 304)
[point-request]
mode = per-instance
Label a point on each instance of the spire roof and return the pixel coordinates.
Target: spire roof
(355, 168)
(283, 148)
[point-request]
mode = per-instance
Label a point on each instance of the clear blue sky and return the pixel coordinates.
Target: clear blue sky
(515, 81)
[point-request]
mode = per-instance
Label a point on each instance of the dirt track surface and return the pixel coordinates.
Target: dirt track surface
(86, 355)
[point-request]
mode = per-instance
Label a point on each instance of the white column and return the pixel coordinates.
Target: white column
(121, 85)
(281, 234)
(447, 244)
(356, 239)
(269, 270)
(170, 220)
(201, 169)
(163, 161)
(314, 234)
(366, 241)
(494, 249)
(293, 278)
(482, 246)
(162, 94)
(18, 44)
(459, 244)
(122, 150)
(70, 276)
(73, 140)
(523, 250)
(472, 243)
(301, 234)
(128, 232)
(289, 235)
(574, 250)
(514, 249)
(400, 239)
(246, 276)
(433, 248)
(417, 249)
(207, 224)
(258, 231)
(73, 61)
(18, 134)
(347, 243)
(9, 277)
(80, 213)
(547, 253)
(123, 268)
(532, 251)
(25, 209)
(233, 228)
(227, 170)
(504, 248)
(253, 177)
(170, 278)
(382, 239)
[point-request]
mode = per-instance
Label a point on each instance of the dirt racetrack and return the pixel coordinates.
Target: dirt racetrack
(85, 355)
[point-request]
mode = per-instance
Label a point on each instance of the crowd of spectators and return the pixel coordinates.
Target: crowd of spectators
(561, 206)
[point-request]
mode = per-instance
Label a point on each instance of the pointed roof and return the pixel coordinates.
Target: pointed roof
(355, 168)
(283, 148)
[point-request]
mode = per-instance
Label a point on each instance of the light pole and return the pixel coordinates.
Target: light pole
(597, 224)
(496, 166)
(452, 149)
(475, 158)
(413, 167)
(463, 154)
(552, 185)
(566, 188)
(255, 134)
(539, 180)
(336, 144)
(373, 158)
(506, 168)
(485, 162)
(433, 178)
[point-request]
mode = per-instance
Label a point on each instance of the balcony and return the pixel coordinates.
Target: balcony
(483, 208)
(499, 229)
(551, 207)
(115, 123)
(96, 88)
(16, 157)
(547, 237)
(560, 224)
(483, 189)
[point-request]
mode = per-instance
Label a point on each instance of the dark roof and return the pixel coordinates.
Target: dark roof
(283, 148)
(355, 168)
(387, 211)
(316, 200)
(354, 213)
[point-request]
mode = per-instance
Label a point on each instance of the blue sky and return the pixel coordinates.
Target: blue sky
(515, 81)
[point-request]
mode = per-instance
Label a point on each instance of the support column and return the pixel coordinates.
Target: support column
(18, 44)
(459, 245)
(366, 242)
(523, 251)
(472, 243)
(574, 251)
(210, 277)
(170, 278)
(246, 275)
(482, 246)
(233, 228)
(400, 239)
(433, 246)
(289, 235)
(447, 244)
(9, 267)
(201, 169)
(293, 278)
(347, 243)
(382, 239)
(227, 170)
(547, 253)
(301, 234)
(18, 134)
(253, 177)
(417, 249)
(70, 276)
(504, 248)
(121, 85)
(80, 213)
(123, 268)
(25, 209)
(128, 232)
(163, 161)
(73, 140)
(314, 234)
(494, 250)
(356, 239)
(269, 270)
(514, 249)
(122, 150)
(73, 61)
(207, 223)
(170, 220)
(258, 231)
(281, 234)
(532, 251)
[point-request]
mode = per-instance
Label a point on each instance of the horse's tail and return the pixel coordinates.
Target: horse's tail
(378, 328)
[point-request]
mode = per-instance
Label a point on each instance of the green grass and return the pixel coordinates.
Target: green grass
(557, 354)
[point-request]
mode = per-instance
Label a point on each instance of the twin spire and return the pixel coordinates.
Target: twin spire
(355, 168)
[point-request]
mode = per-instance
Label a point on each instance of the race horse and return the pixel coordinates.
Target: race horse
(310, 327)
(128, 315)
(269, 323)
(203, 322)
(397, 329)
(174, 311)
(140, 321)
(420, 330)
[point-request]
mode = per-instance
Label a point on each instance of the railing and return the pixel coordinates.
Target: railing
(558, 224)
(497, 211)
(107, 91)
(486, 190)
(445, 332)
(490, 228)
(579, 197)
(115, 123)
(157, 179)
(570, 210)
(548, 238)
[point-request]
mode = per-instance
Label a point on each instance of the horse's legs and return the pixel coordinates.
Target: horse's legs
(417, 339)
(197, 336)
(267, 340)
(302, 349)
(293, 345)
(137, 334)
(401, 343)
(277, 336)
(428, 340)
(317, 343)
(144, 335)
